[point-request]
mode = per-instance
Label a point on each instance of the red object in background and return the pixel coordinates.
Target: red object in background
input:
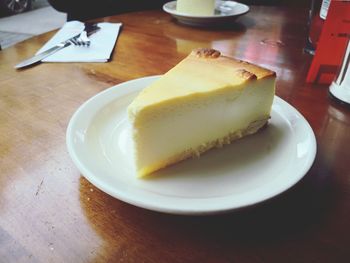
(331, 44)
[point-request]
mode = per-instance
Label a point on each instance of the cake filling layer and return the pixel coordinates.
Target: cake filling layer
(169, 132)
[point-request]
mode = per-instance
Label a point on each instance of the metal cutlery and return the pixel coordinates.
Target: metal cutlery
(80, 39)
(83, 38)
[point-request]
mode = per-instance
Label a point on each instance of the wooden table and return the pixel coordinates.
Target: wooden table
(50, 213)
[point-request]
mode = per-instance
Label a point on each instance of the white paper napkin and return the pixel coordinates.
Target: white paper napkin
(101, 45)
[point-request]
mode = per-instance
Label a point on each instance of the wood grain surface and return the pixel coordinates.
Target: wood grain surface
(50, 213)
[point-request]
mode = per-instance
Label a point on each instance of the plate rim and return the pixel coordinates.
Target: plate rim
(119, 92)
(184, 15)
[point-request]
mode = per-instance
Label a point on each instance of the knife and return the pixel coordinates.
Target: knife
(90, 29)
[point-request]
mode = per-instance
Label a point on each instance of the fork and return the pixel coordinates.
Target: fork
(82, 39)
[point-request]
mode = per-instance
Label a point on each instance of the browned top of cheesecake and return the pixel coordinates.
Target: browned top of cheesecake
(203, 71)
(242, 69)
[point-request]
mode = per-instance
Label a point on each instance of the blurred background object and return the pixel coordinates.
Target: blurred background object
(40, 19)
(317, 15)
(340, 87)
(330, 41)
(47, 15)
(83, 10)
(89, 9)
(12, 7)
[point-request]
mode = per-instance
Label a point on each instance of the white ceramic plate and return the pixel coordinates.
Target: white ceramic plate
(225, 11)
(244, 173)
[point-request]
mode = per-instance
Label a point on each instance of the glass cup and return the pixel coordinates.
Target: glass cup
(317, 15)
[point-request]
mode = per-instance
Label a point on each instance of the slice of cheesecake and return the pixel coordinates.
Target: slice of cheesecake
(205, 101)
(196, 7)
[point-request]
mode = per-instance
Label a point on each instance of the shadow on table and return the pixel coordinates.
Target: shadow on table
(236, 26)
(294, 214)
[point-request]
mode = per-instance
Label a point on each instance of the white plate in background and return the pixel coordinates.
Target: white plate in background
(225, 11)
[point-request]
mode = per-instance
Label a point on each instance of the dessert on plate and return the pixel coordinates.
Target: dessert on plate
(207, 100)
(196, 7)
